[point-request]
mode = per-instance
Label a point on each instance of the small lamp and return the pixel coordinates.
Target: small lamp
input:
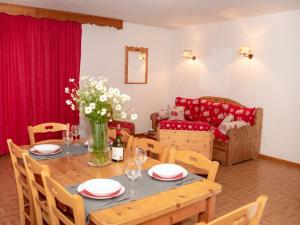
(187, 54)
(246, 51)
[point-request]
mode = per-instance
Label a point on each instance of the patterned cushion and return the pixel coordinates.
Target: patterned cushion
(164, 114)
(218, 135)
(211, 112)
(240, 113)
(225, 126)
(176, 113)
(245, 114)
(184, 125)
(191, 107)
(214, 113)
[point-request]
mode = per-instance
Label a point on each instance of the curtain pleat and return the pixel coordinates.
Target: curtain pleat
(37, 59)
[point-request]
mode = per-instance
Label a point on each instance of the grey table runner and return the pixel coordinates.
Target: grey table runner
(143, 187)
(66, 150)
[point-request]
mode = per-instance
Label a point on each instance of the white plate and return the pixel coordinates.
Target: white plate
(45, 149)
(80, 188)
(167, 171)
(102, 187)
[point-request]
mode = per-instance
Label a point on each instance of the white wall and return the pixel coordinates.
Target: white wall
(270, 80)
(103, 53)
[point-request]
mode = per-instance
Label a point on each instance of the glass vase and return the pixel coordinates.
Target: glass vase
(99, 145)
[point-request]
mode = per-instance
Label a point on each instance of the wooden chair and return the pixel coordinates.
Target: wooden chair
(45, 128)
(247, 215)
(64, 208)
(195, 162)
(130, 142)
(26, 206)
(34, 171)
(153, 147)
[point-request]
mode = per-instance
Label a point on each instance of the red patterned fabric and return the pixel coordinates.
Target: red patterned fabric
(240, 113)
(245, 114)
(176, 113)
(214, 113)
(191, 107)
(211, 112)
(184, 125)
(218, 135)
(129, 126)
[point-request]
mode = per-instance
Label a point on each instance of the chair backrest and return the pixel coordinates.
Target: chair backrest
(24, 191)
(247, 215)
(64, 208)
(112, 134)
(130, 143)
(195, 161)
(151, 146)
(34, 171)
(45, 128)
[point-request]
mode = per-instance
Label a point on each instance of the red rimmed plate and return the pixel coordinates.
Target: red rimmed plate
(45, 149)
(83, 192)
(167, 172)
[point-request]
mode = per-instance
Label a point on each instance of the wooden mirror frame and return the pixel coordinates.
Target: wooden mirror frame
(136, 49)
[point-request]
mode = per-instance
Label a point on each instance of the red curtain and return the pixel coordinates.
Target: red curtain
(37, 59)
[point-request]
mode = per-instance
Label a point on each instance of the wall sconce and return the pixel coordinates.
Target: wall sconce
(246, 51)
(187, 54)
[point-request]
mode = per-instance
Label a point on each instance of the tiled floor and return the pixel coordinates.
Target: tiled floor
(242, 183)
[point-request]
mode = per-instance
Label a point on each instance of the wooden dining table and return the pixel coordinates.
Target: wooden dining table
(168, 207)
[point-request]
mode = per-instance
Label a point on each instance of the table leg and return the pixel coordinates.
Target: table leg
(209, 213)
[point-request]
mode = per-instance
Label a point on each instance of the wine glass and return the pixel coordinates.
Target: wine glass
(68, 138)
(132, 170)
(140, 156)
(75, 132)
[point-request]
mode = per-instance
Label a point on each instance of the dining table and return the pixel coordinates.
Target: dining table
(166, 207)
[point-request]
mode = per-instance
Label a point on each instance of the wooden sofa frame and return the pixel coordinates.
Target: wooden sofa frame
(243, 144)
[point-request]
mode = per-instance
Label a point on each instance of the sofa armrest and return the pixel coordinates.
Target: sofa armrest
(244, 142)
(252, 132)
(155, 121)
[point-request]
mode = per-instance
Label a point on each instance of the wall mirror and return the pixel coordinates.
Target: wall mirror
(136, 65)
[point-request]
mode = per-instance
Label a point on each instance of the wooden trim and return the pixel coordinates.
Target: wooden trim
(282, 161)
(221, 100)
(12, 9)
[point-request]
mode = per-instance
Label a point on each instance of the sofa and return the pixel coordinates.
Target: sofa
(207, 113)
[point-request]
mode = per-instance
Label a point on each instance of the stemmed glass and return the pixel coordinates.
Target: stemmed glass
(140, 156)
(132, 170)
(75, 132)
(68, 138)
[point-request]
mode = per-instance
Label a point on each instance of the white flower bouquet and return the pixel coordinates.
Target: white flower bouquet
(99, 104)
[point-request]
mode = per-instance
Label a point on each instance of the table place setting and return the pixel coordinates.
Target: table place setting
(52, 151)
(101, 193)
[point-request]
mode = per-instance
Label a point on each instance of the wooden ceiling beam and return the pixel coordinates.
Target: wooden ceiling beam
(12, 9)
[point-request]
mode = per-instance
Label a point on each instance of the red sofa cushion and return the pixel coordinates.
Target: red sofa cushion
(214, 113)
(191, 108)
(245, 114)
(239, 112)
(218, 135)
(184, 125)
(211, 112)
